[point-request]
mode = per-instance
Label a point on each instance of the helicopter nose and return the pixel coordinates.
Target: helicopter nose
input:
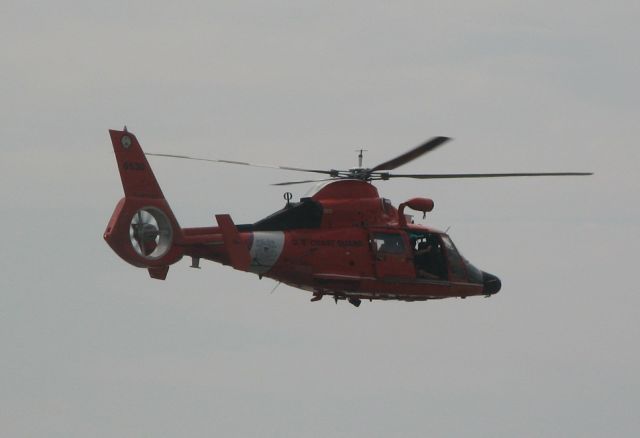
(491, 283)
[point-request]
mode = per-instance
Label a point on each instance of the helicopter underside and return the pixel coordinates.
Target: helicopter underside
(384, 290)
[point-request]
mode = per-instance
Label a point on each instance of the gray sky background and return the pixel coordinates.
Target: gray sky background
(90, 346)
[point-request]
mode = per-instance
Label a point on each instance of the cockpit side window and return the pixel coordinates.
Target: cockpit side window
(428, 256)
(388, 243)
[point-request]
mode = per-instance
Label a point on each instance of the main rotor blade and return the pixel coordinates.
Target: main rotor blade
(243, 163)
(289, 183)
(478, 175)
(411, 155)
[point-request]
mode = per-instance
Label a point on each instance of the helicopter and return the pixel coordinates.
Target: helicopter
(343, 240)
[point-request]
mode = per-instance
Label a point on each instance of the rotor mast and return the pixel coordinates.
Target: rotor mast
(360, 154)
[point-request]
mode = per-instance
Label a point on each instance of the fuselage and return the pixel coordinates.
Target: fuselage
(342, 240)
(348, 242)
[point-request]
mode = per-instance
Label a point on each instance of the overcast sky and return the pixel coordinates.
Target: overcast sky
(90, 346)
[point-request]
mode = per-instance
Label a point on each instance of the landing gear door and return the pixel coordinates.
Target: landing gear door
(391, 254)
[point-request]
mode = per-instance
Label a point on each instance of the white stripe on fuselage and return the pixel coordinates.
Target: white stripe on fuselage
(265, 250)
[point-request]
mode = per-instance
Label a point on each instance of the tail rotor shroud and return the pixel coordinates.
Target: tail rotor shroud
(150, 233)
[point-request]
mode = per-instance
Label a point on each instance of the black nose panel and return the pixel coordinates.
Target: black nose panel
(491, 283)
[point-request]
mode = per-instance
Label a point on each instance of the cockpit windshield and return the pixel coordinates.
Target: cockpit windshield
(437, 258)
(460, 267)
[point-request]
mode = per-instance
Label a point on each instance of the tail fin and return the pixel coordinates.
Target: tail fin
(137, 177)
(143, 230)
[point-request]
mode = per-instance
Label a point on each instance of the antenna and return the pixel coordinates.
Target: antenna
(275, 287)
(287, 197)
(360, 156)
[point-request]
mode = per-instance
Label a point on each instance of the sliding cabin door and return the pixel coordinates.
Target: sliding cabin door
(392, 255)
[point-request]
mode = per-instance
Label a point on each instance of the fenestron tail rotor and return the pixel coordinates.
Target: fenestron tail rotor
(150, 233)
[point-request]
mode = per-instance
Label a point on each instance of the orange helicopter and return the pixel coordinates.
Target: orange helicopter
(344, 240)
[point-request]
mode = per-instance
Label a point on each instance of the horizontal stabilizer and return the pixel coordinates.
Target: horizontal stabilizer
(237, 250)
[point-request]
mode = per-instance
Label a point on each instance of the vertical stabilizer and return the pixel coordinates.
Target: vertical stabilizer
(137, 177)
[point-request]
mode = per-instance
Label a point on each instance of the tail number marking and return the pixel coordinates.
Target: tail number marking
(132, 165)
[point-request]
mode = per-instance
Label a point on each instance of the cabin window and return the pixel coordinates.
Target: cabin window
(388, 243)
